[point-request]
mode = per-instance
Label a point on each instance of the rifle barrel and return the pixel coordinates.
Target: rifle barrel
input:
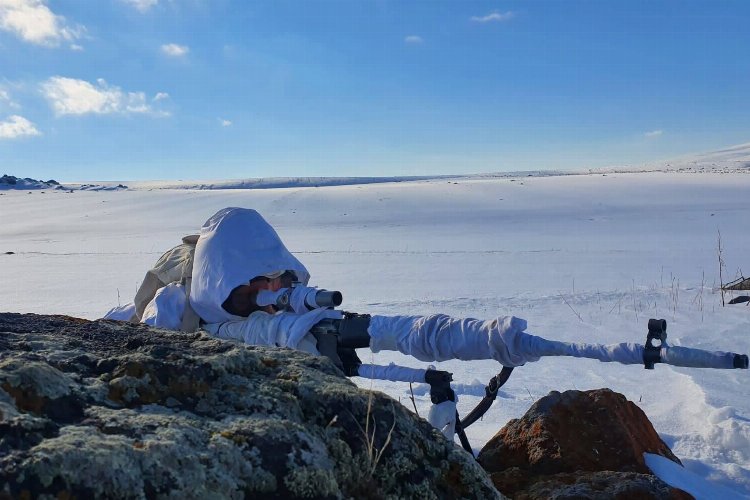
(698, 358)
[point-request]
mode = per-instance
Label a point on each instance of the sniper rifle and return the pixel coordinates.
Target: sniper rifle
(338, 340)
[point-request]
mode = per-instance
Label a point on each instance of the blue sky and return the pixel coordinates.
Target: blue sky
(209, 89)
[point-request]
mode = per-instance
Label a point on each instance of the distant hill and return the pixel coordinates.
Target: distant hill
(734, 159)
(262, 182)
(731, 159)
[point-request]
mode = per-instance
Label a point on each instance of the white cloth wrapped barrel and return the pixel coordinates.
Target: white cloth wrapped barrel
(439, 338)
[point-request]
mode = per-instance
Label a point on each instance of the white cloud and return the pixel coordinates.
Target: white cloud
(76, 47)
(174, 50)
(33, 22)
(5, 98)
(141, 5)
(494, 17)
(160, 95)
(225, 123)
(414, 39)
(69, 96)
(17, 126)
(653, 133)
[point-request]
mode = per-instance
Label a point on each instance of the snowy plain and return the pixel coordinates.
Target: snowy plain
(587, 258)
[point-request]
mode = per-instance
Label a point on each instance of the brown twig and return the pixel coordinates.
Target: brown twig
(411, 389)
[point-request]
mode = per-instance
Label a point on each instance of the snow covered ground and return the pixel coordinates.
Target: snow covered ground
(581, 257)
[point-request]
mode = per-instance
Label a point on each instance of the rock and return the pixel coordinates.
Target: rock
(13, 182)
(577, 432)
(115, 410)
(8, 179)
(574, 430)
(603, 485)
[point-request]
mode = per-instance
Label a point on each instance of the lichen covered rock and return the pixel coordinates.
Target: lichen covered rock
(602, 485)
(109, 409)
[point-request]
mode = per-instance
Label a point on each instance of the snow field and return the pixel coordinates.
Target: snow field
(583, 258)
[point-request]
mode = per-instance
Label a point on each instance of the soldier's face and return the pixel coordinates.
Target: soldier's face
(242, 300)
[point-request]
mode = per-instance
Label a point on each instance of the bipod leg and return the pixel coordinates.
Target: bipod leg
(462, 436)
(494, 385)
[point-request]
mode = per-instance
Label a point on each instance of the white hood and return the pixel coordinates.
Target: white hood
(235, 246)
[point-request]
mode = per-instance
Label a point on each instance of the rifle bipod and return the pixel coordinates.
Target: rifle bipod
(339, 339)
(490, 394)
(440, 391)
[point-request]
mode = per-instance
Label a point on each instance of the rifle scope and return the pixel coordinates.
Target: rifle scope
(325, 298)
(291, 298)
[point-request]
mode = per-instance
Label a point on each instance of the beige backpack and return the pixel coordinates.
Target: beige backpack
(175, 266)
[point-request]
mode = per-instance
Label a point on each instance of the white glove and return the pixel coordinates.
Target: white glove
(282, 329)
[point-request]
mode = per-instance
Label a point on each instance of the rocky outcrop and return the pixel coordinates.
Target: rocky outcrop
(579, 445)
(109, 409)
(13, 182)
(602, 485)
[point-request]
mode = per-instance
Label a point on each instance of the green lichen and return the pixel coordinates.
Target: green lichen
(127, 387)
(40, 378)
(259, 480)
(312, 482)
(8, 408)
(423, 490)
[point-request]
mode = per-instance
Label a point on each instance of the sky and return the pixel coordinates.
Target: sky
(222, 89)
